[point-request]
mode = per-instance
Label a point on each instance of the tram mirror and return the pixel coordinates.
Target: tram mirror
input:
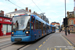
(32, 19)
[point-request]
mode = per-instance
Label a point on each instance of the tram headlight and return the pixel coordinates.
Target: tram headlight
(12, 32)
(27, 32)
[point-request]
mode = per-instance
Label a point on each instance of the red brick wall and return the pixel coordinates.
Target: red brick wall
(55, 23)
(71, 26)
(71, 19)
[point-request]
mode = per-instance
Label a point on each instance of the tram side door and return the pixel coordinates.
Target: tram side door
(42, 28)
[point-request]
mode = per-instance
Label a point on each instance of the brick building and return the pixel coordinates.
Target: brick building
(56, 24)
(5, 24)
(71, 21)
(1, 13)
(53, 23)
(17, 12)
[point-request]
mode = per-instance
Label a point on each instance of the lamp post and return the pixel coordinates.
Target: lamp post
(65, 20)
(65, 8)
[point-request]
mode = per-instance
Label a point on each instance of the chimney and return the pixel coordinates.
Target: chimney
(2, 13)
(16, 9)
(26, 8)
(34, 12)
(30, 10)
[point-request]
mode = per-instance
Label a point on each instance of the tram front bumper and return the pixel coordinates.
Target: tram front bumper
(21, 39)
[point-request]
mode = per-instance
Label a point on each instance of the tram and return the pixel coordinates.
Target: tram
(29, 28)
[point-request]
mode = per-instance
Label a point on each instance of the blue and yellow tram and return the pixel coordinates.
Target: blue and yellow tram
(28, 28)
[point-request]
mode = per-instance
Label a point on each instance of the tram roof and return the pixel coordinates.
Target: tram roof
(39, 19)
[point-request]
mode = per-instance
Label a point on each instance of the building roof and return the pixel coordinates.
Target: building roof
(18, 11)
(55, 22)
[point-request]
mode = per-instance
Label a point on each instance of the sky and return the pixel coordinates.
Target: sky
(53, 9)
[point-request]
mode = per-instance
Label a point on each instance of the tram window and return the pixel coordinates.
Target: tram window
(31, 26)
(13, 26)
(36, 25)
(39, 25)
(28, 26)
(49, 27)
(44, 26)
(52, 28)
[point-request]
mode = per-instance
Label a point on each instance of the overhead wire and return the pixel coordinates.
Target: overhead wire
(14, 4)
(21, 7)
(37, 6)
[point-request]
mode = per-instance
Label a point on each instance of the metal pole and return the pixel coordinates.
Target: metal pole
(65, 8)
(65, 17)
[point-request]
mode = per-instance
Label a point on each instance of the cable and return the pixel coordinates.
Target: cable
(20, 7)
(14, 4)
(37, 6)
(21, 2)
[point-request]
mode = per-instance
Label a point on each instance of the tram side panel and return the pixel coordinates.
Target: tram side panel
(36, 32)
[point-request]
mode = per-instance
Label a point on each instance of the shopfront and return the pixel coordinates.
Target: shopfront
(5, 26)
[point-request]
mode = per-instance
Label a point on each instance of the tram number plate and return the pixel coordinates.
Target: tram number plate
(18, 39)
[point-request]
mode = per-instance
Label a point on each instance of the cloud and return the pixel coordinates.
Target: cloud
(54, 9)
(1, 3)
(63, 1)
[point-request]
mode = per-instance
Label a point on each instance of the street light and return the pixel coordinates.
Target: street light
(65, 8)
(65, 20)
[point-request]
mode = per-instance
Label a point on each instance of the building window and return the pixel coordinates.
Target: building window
(72, 22)
(6, 28)
(9, 28)
(69, 22)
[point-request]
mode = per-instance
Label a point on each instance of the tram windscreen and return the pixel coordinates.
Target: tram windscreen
(22, 22)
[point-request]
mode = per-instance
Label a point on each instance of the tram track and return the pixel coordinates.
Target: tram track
(13, 46)
(6, 45)
(22, 47)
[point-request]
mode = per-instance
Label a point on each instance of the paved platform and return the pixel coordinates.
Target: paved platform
(70, 37)
(7, 36)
